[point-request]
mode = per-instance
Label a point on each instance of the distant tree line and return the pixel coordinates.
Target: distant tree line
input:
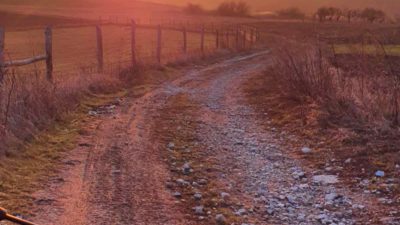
(324, 14)
(368, 14)
(227, 8)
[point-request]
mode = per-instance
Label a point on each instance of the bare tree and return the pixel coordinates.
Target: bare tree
(232, 8)
(194, 9)
(372, 15)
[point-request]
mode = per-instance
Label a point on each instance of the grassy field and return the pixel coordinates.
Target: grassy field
(75, 48)
(391, 50)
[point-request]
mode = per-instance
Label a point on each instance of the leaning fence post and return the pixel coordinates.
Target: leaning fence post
(184, 40)
(100, 60)
(202, 40)
(159, 42)
(49, 52)
(2, 58)
(133, 43)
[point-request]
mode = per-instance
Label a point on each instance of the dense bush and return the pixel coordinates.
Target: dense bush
(335, 14)
(194, 9)
(232, 8)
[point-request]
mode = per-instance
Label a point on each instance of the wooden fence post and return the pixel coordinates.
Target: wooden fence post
(237, 38)
(227, 39)
(2, 57)
(133, 43)
(244, 38)
(100, 59)
(49, 52)
(184, 40)
(202, 40)
(217, 39)
(159, 42)
(251, 37)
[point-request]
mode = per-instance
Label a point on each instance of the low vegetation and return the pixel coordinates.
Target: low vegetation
(291, 13)
(336, 14)
(227, 8)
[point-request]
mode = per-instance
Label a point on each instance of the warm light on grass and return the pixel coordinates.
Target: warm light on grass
(392, 50)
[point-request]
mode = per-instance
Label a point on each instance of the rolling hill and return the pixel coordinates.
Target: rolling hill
(390, 6)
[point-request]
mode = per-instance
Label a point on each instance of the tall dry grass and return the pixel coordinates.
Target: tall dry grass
(29, 103)
(352, 89)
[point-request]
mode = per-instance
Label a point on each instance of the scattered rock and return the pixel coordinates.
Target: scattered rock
(182, 182)
(306, 150)
(225, 196)
(186, 169)
(380, 173)
(270, 211)
(177, 195)
(220, 219)
(291, 199)
(298, 175)
(331, 197)
(171, 145)
(199, 210)
(241, 212)
(348, 161)
(202, 182)
(325, 179)
(198, 196)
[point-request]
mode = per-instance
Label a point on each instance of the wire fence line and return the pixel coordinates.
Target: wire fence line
(93, 48)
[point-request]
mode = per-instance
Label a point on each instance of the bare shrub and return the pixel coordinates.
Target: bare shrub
(354, 88)
(29, 103)
(232, 8)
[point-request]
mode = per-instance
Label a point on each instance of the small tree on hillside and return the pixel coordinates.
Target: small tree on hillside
(232, 8)
(372, 15)
(292, 13)
(194, 9)
(323, 13)
(351, 14)
(242, 9)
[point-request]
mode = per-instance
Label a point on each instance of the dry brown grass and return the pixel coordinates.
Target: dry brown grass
(29, 103)
(362, 89)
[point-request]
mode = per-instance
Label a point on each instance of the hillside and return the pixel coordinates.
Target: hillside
(89, 8)
(391, 6)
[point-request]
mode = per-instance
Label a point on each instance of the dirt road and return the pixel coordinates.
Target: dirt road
(193, 152)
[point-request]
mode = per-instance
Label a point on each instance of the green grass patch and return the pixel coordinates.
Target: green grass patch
(26, 169)
(392, 50)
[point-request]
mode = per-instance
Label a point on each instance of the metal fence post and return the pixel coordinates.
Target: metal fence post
(100, 54)
(49, 52)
